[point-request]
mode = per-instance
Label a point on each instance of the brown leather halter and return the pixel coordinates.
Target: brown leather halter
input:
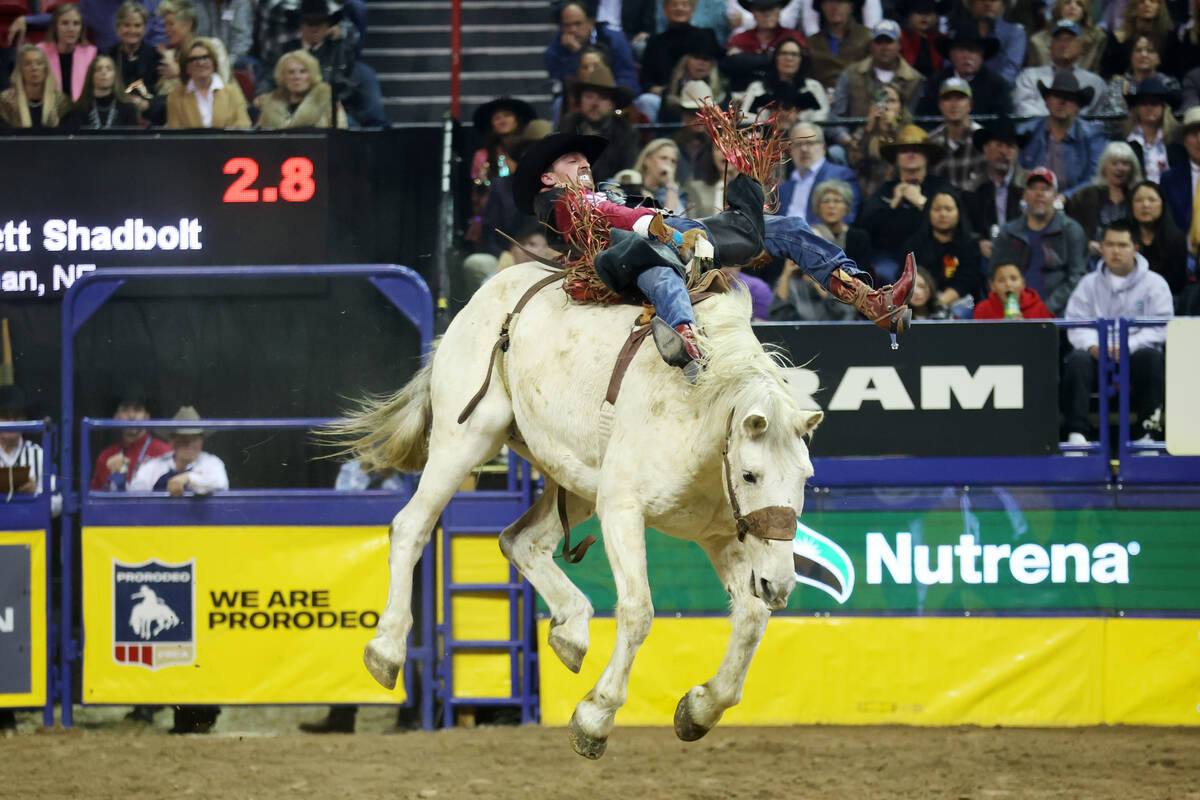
(771, 522)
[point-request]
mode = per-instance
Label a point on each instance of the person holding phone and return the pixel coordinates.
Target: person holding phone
(20, 459)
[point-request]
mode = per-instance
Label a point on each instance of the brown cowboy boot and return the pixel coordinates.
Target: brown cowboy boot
(884, 306)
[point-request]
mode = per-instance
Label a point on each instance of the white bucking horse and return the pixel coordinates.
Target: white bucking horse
(684, 459)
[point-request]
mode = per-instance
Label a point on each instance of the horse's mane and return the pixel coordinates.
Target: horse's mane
(739, 372)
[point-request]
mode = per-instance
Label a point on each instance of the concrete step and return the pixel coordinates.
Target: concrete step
(514, 82)
(427, 36)
(437, 59)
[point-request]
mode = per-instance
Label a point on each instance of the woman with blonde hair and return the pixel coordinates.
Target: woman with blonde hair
(1152, 130)
(67, 49)
(657, 163)
(1092, 38)
(33, 101)
(137, 61)
(300, 99)
(179, 25)
(206, 100)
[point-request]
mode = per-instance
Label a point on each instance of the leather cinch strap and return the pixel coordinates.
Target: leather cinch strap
(571, 555)
(502, 341)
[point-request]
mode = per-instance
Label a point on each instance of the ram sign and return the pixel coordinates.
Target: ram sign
(951, 389)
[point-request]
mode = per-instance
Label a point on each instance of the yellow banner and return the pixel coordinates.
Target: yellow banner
(910, 671)
(23, 620)
(232, 614)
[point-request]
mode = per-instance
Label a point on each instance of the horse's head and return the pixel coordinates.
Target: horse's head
(766, 464)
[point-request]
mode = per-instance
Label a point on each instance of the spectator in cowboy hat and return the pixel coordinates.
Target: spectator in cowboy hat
(600, 101)
(767, 33)
(859, 84)
(681, 38)
(691, 138)
(501, 123)
(1152, 129)
(186, 468)
(920, 35)
(963, 164)
(985, 18)
(840, 41)
(996, 200)
(1179, 182)
(1069, 146)
(697, 66)
(1066, 47)
(1049, 247)
(897, 209)
(965, 55)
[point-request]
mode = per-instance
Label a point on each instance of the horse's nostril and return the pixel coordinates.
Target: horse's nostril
(766, 589)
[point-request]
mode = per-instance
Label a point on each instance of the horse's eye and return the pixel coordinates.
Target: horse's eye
(749, 477)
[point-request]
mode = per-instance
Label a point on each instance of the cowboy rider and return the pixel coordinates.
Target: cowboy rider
(641, 253)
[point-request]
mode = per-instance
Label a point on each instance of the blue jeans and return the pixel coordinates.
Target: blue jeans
(791, 237)
(664, 287)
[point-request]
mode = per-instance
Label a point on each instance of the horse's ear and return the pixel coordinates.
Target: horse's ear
(807, 421)
(754, 424)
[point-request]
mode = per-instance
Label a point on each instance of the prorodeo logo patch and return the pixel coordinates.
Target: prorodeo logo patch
(154, 613)
(822, 564)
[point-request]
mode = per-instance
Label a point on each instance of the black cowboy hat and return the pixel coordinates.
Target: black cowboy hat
(320, 11)
(602, 81)
(1150, 90)
(483, 115)
(786, 95)
(906, 7)
(1001, 129)
(1066, 84)
(700, 42)
(761, 5)
(990, 45)
(537, 160)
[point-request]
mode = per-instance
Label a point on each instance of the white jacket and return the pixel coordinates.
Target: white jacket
(206, 473)
(1142, 294)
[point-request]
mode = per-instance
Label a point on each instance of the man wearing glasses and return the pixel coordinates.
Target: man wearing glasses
(811, 169)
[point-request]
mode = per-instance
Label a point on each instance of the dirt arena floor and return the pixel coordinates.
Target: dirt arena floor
(256, 753)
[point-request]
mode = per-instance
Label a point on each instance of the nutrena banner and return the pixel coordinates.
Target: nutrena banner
(232, 614)
(889, 562)
(22, 618)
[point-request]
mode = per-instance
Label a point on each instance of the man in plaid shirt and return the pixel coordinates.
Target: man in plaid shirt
(963, 164)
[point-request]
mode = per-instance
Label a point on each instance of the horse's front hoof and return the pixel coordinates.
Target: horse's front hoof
(383, 665)
(584, 744)
(569, 651)
(686, 728)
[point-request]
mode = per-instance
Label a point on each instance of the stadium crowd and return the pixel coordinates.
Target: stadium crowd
(1040, 159)
(272, 64)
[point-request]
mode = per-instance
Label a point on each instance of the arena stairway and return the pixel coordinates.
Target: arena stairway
(408, 45)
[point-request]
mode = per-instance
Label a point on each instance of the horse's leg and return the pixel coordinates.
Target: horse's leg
(624, 528)
(529, 543)
(701, 708)
(454, 450)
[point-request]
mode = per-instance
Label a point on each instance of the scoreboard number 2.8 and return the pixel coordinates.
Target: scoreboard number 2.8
(296, 183)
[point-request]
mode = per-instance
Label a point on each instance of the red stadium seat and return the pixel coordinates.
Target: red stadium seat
(245, 82)
(50, 5)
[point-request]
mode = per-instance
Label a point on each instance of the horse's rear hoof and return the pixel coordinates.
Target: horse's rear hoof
(686, 728)
(383, 667)
(587, 746)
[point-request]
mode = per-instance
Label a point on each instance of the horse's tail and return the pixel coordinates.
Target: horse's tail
(390, 432)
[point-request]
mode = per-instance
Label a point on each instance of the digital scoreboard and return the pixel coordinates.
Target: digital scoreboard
(78, 204)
